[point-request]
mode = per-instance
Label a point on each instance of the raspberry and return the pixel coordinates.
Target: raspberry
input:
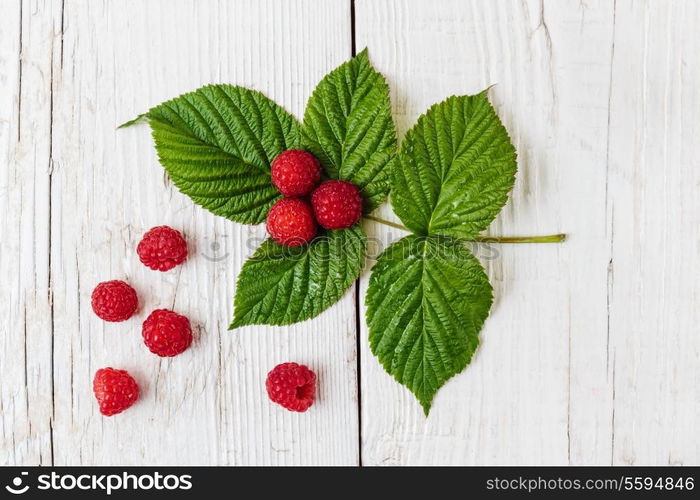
(295, 172)
(114, 300)
(337, 204)
(115, 390)
(166, 333)
(162, 248)
(292, 386)
(291, 222)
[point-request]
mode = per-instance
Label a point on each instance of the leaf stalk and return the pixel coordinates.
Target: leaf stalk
(550, 238)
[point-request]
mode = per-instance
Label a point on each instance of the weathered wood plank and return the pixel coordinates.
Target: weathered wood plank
(27, 59)
(539, 389)
(654, 206)
(208, 405)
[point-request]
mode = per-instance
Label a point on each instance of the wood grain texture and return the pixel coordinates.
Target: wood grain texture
(575, 367)
(591, 354)
(654, 177)
(26, 403)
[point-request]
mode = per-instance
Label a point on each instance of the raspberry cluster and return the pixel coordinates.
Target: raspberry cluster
(165, 332)
(293, 220)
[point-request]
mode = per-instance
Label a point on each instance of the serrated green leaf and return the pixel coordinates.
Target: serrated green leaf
(281, 285)
(455, 169)
(348, 126)
(426, 303)
(217, 143)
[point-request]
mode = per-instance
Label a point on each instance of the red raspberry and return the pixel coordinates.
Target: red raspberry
(114, 300)
(162, 248)
(295, 172)
(291, 222)
(292, 386)
(337, 204)
(115, 390)
(166, 333)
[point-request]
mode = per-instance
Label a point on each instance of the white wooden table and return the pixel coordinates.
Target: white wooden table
(592, 352)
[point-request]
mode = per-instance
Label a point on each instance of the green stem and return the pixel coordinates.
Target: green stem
(387, 222)
(551, 238)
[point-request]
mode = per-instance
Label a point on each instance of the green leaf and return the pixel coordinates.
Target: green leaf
(217, 143)
(426, 302)
(281, 285)
(348, 126)
(455, 169)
